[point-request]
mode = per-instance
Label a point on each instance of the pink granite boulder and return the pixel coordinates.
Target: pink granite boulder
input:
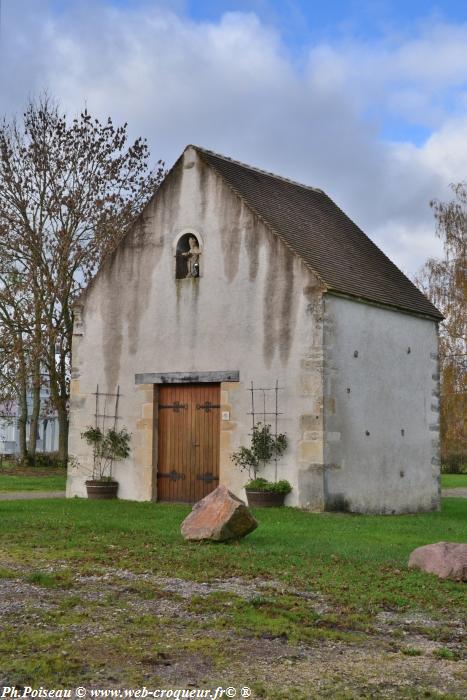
(445, 559)
(219, 516)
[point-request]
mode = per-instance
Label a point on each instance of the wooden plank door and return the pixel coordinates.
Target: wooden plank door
(188, 441)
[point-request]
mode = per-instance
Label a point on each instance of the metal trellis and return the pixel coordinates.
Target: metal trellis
(263, 393)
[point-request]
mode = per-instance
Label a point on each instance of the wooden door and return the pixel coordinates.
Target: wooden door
(188, 441)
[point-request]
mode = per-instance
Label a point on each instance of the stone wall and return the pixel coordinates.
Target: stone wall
(255, 309)
(381, 388)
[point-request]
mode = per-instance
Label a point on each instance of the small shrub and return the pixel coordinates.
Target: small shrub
(454, 463)
(107, 448)
(261, 484)
(44, 460)
(264, 447)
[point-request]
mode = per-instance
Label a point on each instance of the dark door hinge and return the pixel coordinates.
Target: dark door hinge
(207, 406)
(177, 406)
(207, 477)
(173, 475)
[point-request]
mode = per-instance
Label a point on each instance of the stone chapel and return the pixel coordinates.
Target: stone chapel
(232, 282)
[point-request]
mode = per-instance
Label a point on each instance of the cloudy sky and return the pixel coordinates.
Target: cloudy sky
(366, 99)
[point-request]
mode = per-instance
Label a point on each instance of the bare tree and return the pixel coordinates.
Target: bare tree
(15, 346)
(69, 190)
(445, 282)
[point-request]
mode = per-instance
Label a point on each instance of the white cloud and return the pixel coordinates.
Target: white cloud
(232, 86)
(446, 150)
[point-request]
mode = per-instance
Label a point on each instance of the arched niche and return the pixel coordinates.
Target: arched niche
(187, 252)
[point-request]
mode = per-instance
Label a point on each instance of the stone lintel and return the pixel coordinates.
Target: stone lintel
(187, 377)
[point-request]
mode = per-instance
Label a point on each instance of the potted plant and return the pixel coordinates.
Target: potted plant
(261, 492)
(264, 447)
(107, 448)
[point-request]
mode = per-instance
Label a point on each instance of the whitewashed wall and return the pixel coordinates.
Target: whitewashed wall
(381, 409)
(255, 309)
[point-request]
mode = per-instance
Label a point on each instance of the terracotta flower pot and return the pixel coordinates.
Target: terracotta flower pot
(264, 499)
(101, 489)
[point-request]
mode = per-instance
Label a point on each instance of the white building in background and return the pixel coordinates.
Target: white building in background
(9, 431)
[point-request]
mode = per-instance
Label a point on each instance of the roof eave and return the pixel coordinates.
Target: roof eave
(391, 307)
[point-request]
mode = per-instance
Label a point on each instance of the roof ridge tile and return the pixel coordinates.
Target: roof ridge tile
(256, 169)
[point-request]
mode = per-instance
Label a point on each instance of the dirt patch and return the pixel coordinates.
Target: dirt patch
(247, 589)
(458, 492)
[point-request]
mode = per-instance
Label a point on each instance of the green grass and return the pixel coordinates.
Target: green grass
(61, 579)
(360, 561)
(356, 564)
(13, 482)
(453, 481)
(411, 651)
(6, 464)
(445, 653)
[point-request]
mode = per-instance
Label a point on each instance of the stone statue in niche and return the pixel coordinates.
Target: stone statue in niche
(192, 256)
(188, 253)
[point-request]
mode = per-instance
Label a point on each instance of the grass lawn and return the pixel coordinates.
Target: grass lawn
(12, 482)
(17, 478)
(453, 481)
(309, 605)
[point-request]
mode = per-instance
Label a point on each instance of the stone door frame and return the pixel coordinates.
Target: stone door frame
(145, 453)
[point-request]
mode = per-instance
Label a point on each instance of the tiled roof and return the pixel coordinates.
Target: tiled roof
(309, 222)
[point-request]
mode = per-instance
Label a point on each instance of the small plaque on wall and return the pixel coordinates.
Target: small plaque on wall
(225, 415)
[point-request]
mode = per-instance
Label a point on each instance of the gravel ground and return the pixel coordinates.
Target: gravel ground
(397, 659)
